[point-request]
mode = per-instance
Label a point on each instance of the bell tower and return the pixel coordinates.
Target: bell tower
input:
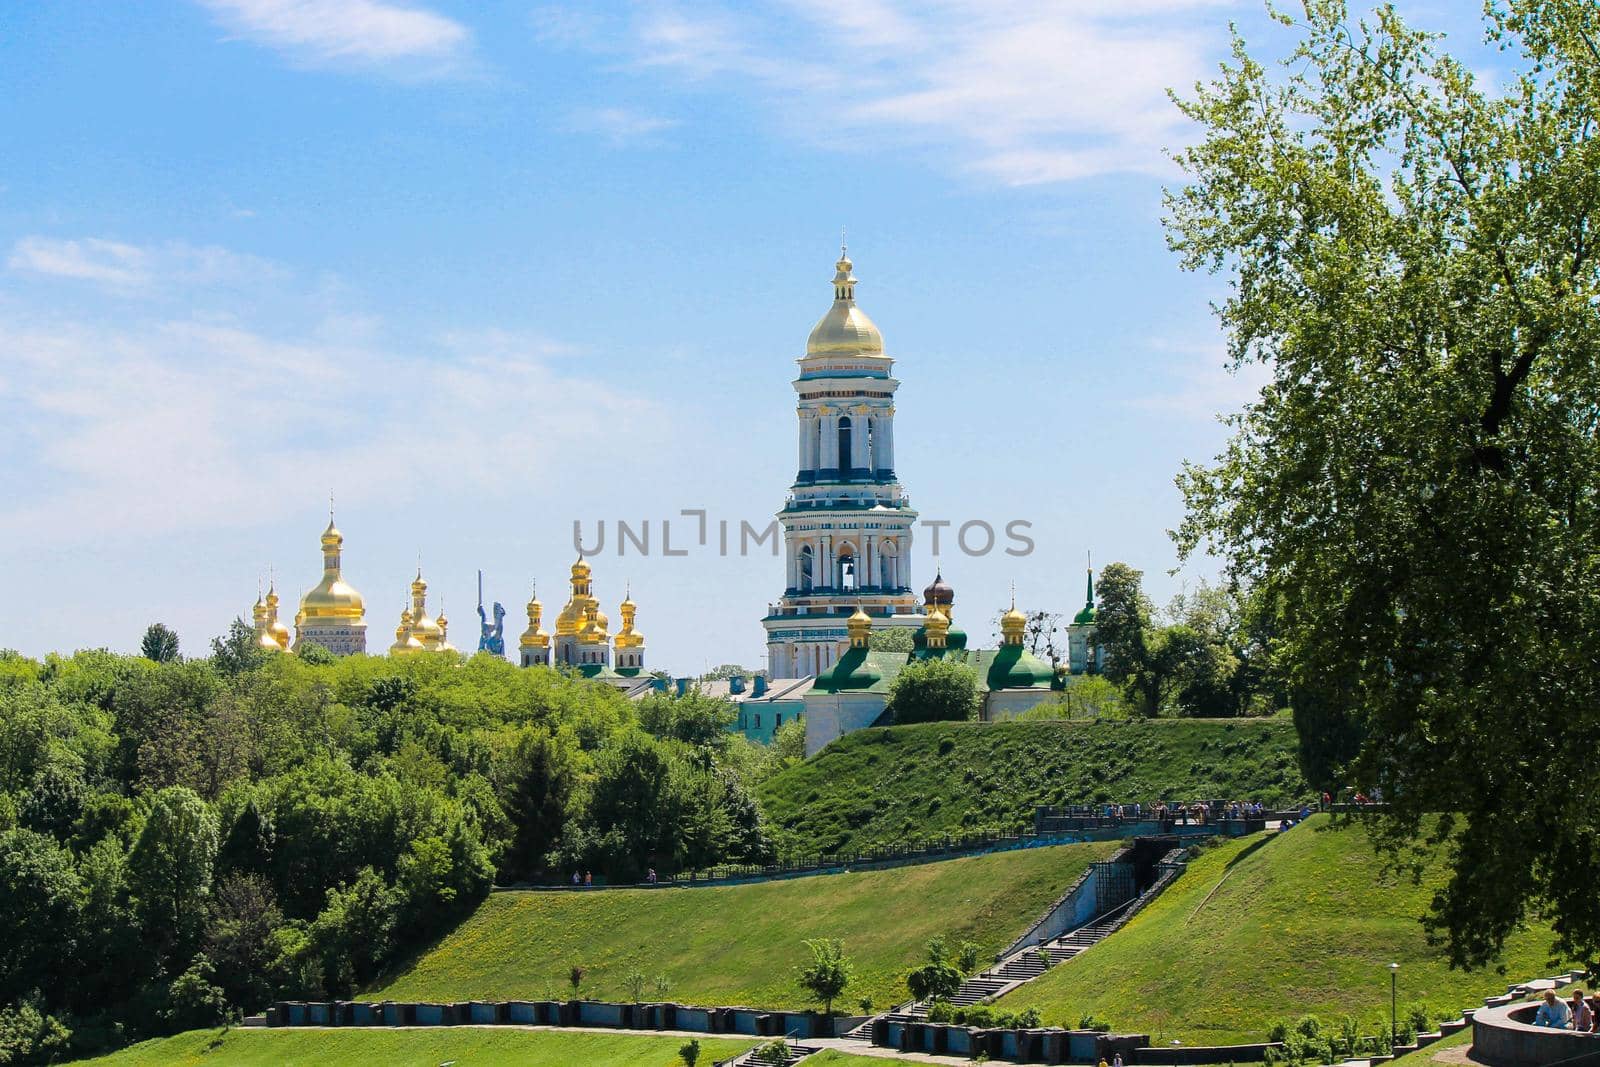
(846, 523)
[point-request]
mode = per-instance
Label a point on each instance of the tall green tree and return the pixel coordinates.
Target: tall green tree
(170, 868)
(40, 912)
(542, 774)
(1135, 650)
(160, 643)
(1411, 256)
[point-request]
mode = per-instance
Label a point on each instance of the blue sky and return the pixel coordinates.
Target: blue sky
(487, 269)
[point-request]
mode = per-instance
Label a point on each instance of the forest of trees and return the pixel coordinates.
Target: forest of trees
(183, 840)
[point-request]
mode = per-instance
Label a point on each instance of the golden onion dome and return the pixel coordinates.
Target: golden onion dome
(1012, 624)
(859, 625)
(845, 330)
(535, 636)
(580, 569)
(332, 598)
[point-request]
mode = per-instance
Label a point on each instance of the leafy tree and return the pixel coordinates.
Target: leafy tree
(542, 773)
(967, 957)
(1411, 256)
(728, 670)
(936, 978)
(693, 718)
(54, 802)
(635, 805)
(891, 639)
(40, 911)
(240, 940)
(235, 652)
(192, 1000)
(170, 867)
(160, 644)
(314, 654)
(689, 1052)
(28, 1035)
(575, 979)
(1124, 627)
(828, 974)
(933, 690)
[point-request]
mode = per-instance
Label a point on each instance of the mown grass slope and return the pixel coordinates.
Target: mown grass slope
(739, 944)
(886, 785)
(477, 1046)
(1270, 928)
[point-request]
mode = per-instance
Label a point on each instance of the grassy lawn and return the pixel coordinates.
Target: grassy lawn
(468, 1046)
(885, 785)
(1271, 928)
(740, 945)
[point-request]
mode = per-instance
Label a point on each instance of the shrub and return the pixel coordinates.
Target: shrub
(689, 1052)
(940, 1011)
(976, 1016)
(1089, 1022)
(773, 1052)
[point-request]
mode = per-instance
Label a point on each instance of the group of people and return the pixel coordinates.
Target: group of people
(1557, 1014)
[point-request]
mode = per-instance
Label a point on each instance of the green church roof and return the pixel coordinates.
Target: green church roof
(1014, 667)
(861, 670)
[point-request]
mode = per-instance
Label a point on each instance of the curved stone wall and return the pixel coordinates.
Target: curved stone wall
(1506, 1037)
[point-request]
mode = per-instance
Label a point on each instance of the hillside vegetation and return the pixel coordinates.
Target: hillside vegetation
(422, 1048)
(1266, 929)
(740, 944)
(886, 785)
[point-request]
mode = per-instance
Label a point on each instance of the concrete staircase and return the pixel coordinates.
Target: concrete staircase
(1025, 965)
(795, 1053)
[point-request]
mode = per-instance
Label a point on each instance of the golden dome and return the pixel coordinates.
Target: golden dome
(423, 628)
(332, 598)
(275, 626)
(845, 330)
(628, 637)
(404, 642)
(580, 569)
(1012, 624)
(535, 636)
(859, 625)
(936, 626)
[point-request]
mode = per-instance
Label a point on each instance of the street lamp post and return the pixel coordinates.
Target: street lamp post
(1394, 988)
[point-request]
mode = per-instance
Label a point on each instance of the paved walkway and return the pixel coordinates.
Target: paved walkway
(842, 1044)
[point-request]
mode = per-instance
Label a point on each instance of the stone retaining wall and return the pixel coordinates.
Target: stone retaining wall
(749, 1022)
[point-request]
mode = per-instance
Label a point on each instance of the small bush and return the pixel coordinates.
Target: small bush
(940, 1011)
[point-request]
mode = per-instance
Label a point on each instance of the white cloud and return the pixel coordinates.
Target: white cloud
(148, 424)
(621, 126)
(1197, 383)
(1021, 91)
(359, 32)
(136, 268)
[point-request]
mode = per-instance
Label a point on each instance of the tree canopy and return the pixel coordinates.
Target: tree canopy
(1410, 251)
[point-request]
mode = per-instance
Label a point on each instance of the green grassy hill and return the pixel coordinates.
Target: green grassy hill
(1270, 928)
(885, 785)
(478, 1046)
(739, 944)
